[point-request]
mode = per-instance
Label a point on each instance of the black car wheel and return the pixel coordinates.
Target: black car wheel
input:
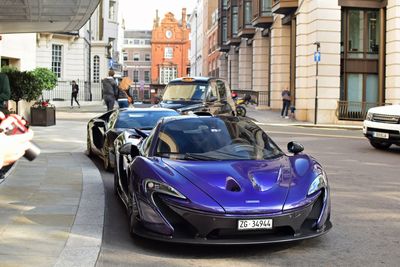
(133, 213)
(89, 147)
(115, 179)
(106, 158)
(241, 111)
(380, 145)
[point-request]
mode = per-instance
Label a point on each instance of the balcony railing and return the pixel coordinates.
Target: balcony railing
(355, 111)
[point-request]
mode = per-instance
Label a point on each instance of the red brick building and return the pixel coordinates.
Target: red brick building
(170, 48)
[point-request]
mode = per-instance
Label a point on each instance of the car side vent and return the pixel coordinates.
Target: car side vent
(232, 185)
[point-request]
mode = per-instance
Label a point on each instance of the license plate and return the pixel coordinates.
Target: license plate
(255, 224)
(381, 135)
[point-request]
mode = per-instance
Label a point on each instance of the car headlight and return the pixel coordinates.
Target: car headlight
(319, 182)
(155, 186)
(369, 116)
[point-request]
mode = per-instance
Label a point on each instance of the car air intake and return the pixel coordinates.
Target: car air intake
(232, 185)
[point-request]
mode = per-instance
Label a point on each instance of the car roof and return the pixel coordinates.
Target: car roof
(187, 117)
(193, 79)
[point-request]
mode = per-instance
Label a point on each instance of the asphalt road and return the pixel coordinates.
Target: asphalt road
(365, 190)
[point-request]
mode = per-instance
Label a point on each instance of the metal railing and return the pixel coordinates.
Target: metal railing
(259, 97)
(356, 111)
(63, 90)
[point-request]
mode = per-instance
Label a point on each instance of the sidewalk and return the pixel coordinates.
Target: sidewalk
(52, 209)
(271, 117)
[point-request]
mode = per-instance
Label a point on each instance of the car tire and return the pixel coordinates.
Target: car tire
(380, 145)
(241, 111)
(89, 147)
(106, 159)
(115, 180)
(133, 213)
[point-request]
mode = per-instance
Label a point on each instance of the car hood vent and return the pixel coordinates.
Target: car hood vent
(232, 185)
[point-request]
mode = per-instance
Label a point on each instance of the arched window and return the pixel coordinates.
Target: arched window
(96, 69)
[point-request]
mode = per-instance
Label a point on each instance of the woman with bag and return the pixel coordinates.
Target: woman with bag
(123, 97)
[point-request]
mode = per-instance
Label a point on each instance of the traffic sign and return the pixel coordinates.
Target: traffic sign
(317, 56)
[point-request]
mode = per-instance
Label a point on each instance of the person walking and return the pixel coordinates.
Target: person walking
(110, 90)
(123, 97)
(285, 103)
(74, 94)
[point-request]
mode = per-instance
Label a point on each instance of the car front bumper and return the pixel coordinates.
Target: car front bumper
(393, 131)
(196, 227)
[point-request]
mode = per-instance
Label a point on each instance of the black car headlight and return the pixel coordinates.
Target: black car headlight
(319, 182)
(158, 187)
(369, 116)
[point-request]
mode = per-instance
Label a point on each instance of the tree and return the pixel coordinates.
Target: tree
(23, 84)
(46, 79)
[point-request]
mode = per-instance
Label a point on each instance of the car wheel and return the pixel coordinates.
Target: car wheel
(115, 180)
(106, 159)
(241, 111)
(380, 145)
(89, 147)
(133, 213)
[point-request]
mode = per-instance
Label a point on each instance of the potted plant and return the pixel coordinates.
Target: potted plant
(43, 113)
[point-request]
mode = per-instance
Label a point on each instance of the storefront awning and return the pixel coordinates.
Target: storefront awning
(19, 16)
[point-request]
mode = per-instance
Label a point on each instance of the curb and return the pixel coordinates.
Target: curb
(84, 242)
(318, 126)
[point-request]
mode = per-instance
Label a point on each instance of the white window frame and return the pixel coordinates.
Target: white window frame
(168, 73)
(168, 52)
(57, 59)
(96, 69)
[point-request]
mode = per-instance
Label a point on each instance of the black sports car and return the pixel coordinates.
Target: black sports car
(104, 129)
(219, 180)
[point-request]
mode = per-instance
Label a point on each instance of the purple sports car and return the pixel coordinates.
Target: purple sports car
(221, 180)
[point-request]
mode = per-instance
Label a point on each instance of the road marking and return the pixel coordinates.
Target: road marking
(319, 135)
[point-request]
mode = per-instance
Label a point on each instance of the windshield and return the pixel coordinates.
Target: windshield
(215, 138)
(145, 120)
(185, 92)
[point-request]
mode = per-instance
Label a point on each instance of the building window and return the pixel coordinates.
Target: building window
(224, 29)
(125, 56)
(56, 60)
(136, 42)
(96, 69)
(147, 42)
(147, 57)
(112, 10)
(266, 7)
(248, 13)
(235, 21)
(125, 73)
(168, 52)
(136, 57)
(126, 41)
(147, 76)
(135, 76)
(167, 74)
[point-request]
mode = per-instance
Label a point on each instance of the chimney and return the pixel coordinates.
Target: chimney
(183, 17)
(156, 20)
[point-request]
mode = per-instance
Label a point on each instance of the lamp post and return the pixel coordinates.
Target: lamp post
(317, 59)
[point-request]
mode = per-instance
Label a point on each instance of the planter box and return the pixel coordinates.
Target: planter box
(43, 116)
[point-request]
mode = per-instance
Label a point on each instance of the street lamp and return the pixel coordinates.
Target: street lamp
(317, 59)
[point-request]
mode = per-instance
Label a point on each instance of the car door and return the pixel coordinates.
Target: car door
(100, 126)
(212, 102)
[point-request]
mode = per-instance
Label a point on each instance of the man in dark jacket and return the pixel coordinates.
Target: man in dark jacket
(5, 92)
(74, 94)
(110, 90)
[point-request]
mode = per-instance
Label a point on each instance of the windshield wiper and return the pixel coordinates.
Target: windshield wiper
(193, 156)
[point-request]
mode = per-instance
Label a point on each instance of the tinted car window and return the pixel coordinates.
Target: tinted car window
(214, 138)
(144, 120)
(185, 91)
(221, 89)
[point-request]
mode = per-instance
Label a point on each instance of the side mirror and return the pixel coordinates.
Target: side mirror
(129, 149)
(99, 123)
(295, 148)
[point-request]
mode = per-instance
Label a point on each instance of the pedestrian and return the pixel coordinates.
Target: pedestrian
(5, 92)
(110, 90)
(74, 94)
(285, 103)
(123, 98)
(292, 110)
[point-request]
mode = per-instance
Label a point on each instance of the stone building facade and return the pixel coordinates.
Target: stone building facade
(270, 45)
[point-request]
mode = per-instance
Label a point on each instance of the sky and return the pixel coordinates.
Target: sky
(139, 14)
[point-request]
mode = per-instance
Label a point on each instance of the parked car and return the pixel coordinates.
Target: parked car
(102, 130)
(382, 126)
(198, 94)
(221, 180)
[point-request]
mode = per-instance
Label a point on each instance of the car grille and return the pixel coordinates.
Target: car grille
(386, 118)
